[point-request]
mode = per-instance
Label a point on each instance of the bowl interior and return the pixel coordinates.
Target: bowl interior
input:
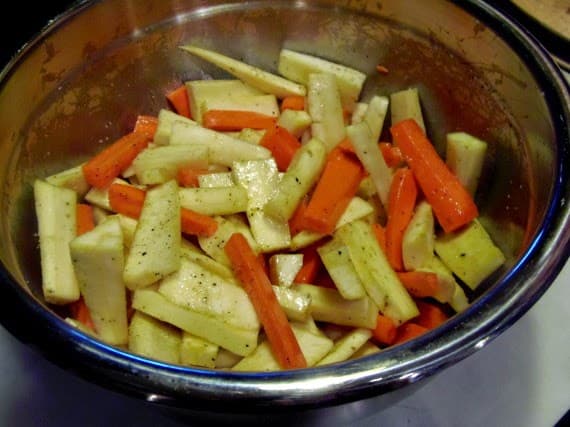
(81, 84)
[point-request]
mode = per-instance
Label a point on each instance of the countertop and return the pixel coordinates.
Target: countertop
(522, 378)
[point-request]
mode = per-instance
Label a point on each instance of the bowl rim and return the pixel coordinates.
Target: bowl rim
(198, 388)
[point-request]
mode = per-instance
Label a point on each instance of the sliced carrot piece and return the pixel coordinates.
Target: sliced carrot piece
(385, 331)
(392, 155)
(103, 168)
(297, 221)
(380, 234)
(282, 144)
(408, 331)
(335, 189)
(78, 310)
(256, 283)
(431, 314)
(129, 201)
(84, 218)
(311, 265)
(233, 120)
(188, 177)
(401, 203)
(452, 204)
(146, 125)
(420, 284)
(178, 99)
(293, 102)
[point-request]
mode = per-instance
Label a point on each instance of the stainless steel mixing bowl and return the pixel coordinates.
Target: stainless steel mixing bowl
(84, 79)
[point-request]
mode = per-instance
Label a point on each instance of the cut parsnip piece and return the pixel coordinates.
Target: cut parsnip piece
(154, 339)
(296, 122)
(198, 289)
(72, 178)
(284, 267)
(367, 349)
(419, 237)
(260, 179)
(253, 136)
(294, 303)
(156, 165)
(200, 91)
(298, 66)
(405, 104)
(226, 359)
(346, 346)
(336, 259)
(237, 340)
(313, 346)
(222, 149)
(254, 76)
(465, 155)
(214, 245)
(301, 175)
(166, 119)
(128, 228)
(217, 179)
(101, 250)
(356, 209)
(325, 108)
(358, 113)
(375, 115)
(55, 211)
(215, 200)
(470, 253)
(194, 254)
(196, 351)
(379, 279)
(155, 250)
(368, 151)
(328, 305)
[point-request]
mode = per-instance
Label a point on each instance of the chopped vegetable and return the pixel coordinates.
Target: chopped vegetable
(178, 98)
(104, 167)
(452, 205)
(284, 344)
(232, 120)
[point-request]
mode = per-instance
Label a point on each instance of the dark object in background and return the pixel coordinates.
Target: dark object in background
(27, 22)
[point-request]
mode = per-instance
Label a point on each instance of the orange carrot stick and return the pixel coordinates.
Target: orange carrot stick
(146, 125)
(392, 155)
(103, 168)
(197, 224)
(346, 145)
(420, 284)
(78, 310)
(293, 102)
(401, 202)
(230, 120)
(385, 331)
(311, 265)
(126, 200)
(178, 99)
(84, 218)
(129, 201)
(250, 273)
(335, 189)
(188, 177)
(297, 221)
(431, 315)
(380, 234)
(408, 331)
(452, 204)
(282, 144)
